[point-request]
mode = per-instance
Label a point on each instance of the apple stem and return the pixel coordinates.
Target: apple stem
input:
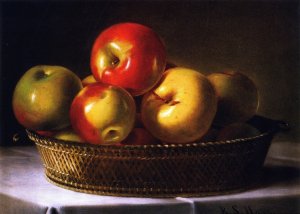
(40, 74)
(167, 101)
(173, 102)
(115, 61)
(157, 96)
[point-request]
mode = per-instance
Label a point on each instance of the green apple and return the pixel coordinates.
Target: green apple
(238, 98)
(43, 96)
(181, 108)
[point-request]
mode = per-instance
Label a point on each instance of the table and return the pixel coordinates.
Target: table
(24, 189)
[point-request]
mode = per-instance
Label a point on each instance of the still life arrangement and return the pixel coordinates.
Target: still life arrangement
(139, 125)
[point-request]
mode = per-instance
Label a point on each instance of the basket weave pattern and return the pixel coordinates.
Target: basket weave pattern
(153, 171)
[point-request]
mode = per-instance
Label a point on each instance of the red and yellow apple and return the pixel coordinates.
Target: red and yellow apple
(181, 108)
(237, 97)
(103, 114)
(128, 55)
(90, 79)
(237, 131)
(43, 96)
(140, 136)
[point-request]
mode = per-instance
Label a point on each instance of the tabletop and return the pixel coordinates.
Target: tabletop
(24, 189)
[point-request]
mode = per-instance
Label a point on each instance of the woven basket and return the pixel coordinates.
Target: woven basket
(197, 169)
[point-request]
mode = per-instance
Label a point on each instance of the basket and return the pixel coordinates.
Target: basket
(186, 170)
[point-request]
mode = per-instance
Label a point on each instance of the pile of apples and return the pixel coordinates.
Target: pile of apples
(134, 96)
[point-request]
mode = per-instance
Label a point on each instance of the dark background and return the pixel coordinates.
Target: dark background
(258, 38)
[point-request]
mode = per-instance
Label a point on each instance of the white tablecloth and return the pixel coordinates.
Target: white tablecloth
(24, 189)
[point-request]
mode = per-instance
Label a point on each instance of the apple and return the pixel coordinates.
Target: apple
(88, 80)
(103, 114)
(128, 55)
(46, 133)
(236, 131)
(43, 96)
(238, 98)
(68, 134)
(140, 136)
(181, 108)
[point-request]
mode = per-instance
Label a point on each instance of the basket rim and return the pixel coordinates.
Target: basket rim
(272, 127)
(165, 146)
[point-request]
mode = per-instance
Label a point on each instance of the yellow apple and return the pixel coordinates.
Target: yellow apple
(68, 135)
(181, 107)
(88, 80)
(237, 97)
(236, 131)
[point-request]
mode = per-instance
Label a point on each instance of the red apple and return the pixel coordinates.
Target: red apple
(46, 133)
(128, 55)
(140, 136)
(103, 114)
(43, 96)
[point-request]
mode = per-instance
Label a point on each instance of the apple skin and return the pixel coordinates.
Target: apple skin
(46, 133)
(103, 114)
(128, 55)
(68, 134)
(238, 97)
(90, 79)
(236, 131)
(181, 108)
(43, 96)
(140, 136)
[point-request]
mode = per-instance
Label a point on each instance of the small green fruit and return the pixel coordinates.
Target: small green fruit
(43, 96)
